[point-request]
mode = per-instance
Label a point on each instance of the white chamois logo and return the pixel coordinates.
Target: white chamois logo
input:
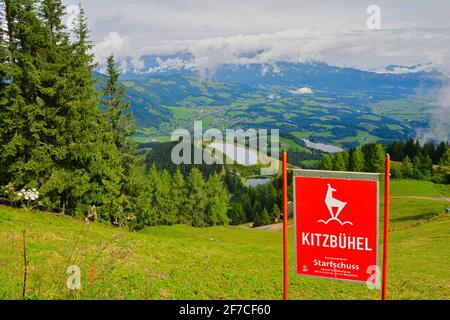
(334, 203)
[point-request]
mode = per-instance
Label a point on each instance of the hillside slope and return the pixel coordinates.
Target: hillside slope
(182, 262)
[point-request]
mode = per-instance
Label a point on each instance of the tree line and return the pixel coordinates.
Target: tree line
(429, 161)
(173, 199)
(260, 205)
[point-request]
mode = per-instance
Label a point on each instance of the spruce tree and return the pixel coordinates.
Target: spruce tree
(163, 200)
(396, 151)
(262, 219)
(52, 133)
(374, 158)
(445, 159)
(407, 168)
(246, 201)
(276, 213)
(153, 181)
(140, 209)
(23, 157)
(327, 163)
(237, 214)
(197, 199)
(346, 158)
(120, 125)
(218, 201)
(87, 163)
(357, 161)
(440, 151)
(3, 84)
(121, 122)
(179, 195)
(339, 163)
(257, 208)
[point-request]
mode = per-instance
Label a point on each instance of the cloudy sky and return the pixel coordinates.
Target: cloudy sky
(412, 32)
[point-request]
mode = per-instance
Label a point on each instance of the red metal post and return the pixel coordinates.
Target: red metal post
(386, 224)
(285, 227)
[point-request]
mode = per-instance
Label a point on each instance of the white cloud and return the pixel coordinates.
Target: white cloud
(304, 90)
(369, 50)
(72, 12)
(215, 32)
(112, 43)
(439, 111)
(122, 49)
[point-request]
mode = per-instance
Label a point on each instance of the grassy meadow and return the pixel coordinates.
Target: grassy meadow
(181, 262)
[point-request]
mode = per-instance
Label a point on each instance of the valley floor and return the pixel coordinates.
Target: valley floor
(181, 262)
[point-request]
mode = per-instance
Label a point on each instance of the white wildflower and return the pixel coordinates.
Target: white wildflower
(30, 194)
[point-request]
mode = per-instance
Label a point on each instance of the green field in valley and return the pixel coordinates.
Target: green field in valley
(181, 262)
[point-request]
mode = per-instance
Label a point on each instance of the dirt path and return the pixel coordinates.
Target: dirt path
(423, 198)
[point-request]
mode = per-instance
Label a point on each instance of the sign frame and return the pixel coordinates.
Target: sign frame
(341, 175)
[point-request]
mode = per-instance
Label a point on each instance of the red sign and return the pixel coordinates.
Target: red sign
(336, 227)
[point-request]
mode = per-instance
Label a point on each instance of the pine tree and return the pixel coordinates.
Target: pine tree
(429, 150)
(114, 102)
(417, 163)
(23, 158)
(3, 84)
(357, 161)
(327, 163)
(276, 213)
(163, 202)
(407, 168)
(218, 201)
(441, 149)
(445, 159)
(346, 158)
(139, 207)
(412, 148)
(152, 183)
(247, 205)
(262, 219)
(442, 173)
(423, 167)
(88, 164)
(179, 195)
(375, 158)
(257, 209)
(197, 199)
(52, 133)
(52, 11)
(396, 151)
(121, 125)
(237, 214)
(339, 163)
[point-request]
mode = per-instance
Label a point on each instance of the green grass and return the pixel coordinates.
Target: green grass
(419, 188)
(403, 108)
(181, 262)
